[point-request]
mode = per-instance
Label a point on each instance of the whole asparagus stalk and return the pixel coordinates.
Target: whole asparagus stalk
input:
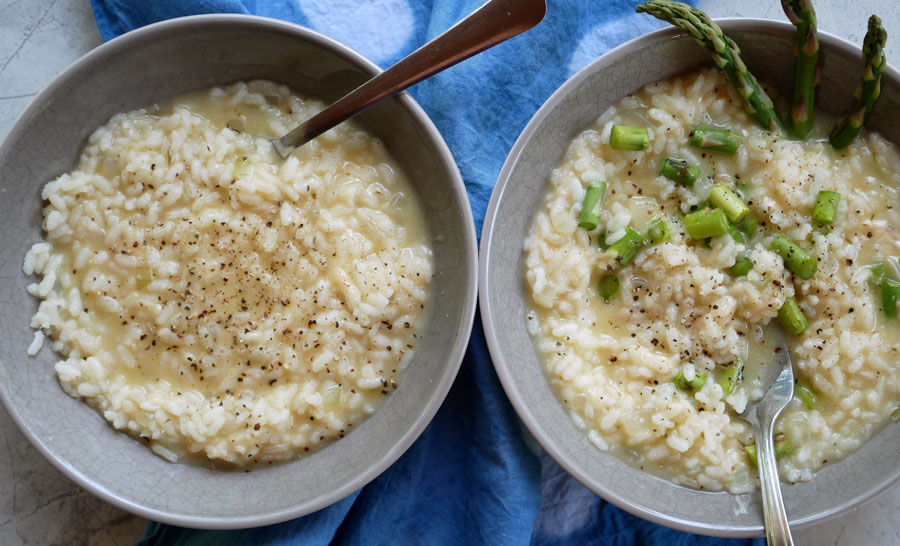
(725, 53)
(869, 87)
(806, 68)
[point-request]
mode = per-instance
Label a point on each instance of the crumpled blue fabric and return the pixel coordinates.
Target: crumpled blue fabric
(475, 476)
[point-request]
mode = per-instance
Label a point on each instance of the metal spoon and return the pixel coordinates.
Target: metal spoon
(492, 23)
(763, 415)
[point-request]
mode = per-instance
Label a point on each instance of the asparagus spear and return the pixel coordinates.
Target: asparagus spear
(806, 69)
(869, 87)
(725, 53)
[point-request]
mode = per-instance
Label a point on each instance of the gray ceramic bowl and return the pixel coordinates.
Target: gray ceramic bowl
(158, 62)
(574, 106)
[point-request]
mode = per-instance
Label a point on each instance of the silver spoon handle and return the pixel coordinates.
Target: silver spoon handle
(778, 531)
(492, 23)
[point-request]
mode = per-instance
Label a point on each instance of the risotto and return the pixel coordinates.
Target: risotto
(221, 304)
(653, 333)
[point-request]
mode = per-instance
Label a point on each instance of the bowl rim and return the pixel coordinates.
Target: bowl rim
(185, 25)
(503, 369)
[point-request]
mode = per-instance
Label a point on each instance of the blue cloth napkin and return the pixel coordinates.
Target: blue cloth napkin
(474, 476)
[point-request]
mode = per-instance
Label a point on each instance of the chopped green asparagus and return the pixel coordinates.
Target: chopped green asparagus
(679, 171)
(742, 266)
(725, 53)
(732, 376)
(722, 197)
(659, 231)
(782, 448)
(751, 454)
(826, 207)
(795, 258)
(868, 89)
(625, 248)
(715, 139)
(706, 223)
(890, 294)
(792, 318)
(624, 137)
(601, 239)
(693, 385)
(806, 66)
(608, 286)
(736, 234)
(748, 226)
(806, 395)
(592, 197)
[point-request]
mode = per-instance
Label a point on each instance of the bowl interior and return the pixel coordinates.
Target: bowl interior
(136, 71)
(767, 51)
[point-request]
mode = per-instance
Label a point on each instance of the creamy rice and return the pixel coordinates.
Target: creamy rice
(679, 309)
(218, 303)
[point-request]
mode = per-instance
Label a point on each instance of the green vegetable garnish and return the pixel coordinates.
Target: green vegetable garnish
(624, 137)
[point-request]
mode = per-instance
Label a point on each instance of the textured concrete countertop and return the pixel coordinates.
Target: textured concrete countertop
(38, 505)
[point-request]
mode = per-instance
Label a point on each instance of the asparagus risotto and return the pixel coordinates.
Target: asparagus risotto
(650, 312)
(221, 304)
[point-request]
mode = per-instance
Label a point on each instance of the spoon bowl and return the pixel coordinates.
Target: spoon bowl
(762, 416)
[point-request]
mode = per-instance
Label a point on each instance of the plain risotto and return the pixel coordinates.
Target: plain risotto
(218, 303)
(680, 310)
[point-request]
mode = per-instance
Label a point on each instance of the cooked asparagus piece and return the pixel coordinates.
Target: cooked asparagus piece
(736, 234)
(792, 318)
(679, 171)
(732, 376)
(722, 197)
(806, 66)
(608, 286)
(795, 258)
(601, 239)
(806, 395)
(869, 87)
(623, 137)
(748, 226)
(625, 248)
(659, 231)
(706, 223)
(890, 293)
(715, 139)
(593, 195)
(725, 53)
(826, 207)
(782, 448)
(693, 385)
(742, 266)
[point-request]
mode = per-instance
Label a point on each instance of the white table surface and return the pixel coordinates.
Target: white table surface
(38, 505)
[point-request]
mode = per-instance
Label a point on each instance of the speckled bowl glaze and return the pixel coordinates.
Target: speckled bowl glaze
(655, 56)
(159, 62)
